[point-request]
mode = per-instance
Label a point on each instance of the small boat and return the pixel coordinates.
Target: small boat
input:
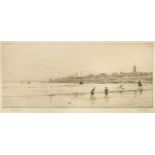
(81, 82)
(80, 79)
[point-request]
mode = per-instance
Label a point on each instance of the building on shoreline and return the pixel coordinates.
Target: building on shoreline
(125, 77)
(134, 69)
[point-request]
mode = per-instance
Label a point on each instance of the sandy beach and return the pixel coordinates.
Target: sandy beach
(44, 95)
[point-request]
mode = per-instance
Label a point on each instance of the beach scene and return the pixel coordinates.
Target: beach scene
(77, 75)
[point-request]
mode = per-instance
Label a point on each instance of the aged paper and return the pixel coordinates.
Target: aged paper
(77, 76)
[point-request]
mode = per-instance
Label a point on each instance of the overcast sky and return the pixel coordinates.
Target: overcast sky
(44, 61)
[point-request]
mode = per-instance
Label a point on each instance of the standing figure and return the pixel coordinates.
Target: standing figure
(92, 93)
(121, 88)
(139, 84)
(106, 91)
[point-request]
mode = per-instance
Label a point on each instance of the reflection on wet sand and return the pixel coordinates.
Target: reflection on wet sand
(75, 96)
(106, 98)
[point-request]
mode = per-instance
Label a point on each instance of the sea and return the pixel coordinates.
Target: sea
(74, 95)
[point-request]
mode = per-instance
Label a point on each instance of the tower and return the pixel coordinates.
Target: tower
(134, 69)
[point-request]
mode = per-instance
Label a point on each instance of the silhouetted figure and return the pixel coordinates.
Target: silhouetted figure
(106, 91)
(121, 88)
(139, 84)
(92, 93)
(140, 88)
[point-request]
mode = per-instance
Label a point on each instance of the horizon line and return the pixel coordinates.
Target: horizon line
(22, 80)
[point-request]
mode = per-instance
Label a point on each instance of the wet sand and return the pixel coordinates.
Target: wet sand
(127, 99)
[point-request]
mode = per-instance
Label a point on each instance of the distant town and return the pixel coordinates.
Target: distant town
(124, 77)
(114, 78)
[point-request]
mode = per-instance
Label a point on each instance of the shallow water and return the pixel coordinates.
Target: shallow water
(64, 95)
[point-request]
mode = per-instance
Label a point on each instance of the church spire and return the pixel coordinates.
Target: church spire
(134, 69)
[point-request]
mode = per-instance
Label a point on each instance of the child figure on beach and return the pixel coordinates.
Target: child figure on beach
(106, 91)
(139, 84)
(92, 93)
(121, 88)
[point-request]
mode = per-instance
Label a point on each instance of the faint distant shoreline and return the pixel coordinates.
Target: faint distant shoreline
(102, 78)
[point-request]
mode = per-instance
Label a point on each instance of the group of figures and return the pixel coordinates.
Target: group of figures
(106, 90)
